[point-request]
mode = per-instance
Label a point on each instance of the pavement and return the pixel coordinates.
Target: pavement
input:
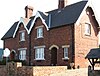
(73, 72)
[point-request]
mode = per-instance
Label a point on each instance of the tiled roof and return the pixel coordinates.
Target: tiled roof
(67, 15)
(54, 18)
(94, 53)
(45, 17)
(29, 23)
(10, 32)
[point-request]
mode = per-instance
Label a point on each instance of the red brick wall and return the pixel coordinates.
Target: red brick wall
(15, 43)
(84, 43)
(59, 36)
(56, 36)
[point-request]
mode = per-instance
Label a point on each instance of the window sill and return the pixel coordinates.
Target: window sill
(39, 37)
(39, 59)
(22, 59)
(21, 40)
(65, 58)
(87, 34)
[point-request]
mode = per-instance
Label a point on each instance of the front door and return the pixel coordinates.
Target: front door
(54, 56)
(12, 55)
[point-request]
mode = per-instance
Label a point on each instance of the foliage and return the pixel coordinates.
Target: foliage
(3, 62)
(23, 61)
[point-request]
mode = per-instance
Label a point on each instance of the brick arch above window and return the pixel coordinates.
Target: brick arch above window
(53, 47)
(13, 51)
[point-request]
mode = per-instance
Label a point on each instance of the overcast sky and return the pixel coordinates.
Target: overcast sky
(12, 10)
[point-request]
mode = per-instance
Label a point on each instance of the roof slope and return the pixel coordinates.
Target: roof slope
(10, 32)
(54, 18)
(94, 53)
(45, 17)
(29, 23)
(67, 15)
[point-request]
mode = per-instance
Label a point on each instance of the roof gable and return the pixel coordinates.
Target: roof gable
(41, 16)
(59, 17)
(12, 31)
(55, 18)
(20, 21)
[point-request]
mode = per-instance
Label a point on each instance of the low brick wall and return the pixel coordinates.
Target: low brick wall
(48, 70)
(14, 69)
(25, 71)
(41, 71)
(3, 71)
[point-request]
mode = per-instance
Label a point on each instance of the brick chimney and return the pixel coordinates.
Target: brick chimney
(62, 3)
(28, 11)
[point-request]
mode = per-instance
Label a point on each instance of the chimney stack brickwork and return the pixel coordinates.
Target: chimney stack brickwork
(62, 3)
(28, 11)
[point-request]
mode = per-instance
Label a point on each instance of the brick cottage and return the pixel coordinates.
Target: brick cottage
(60, 37)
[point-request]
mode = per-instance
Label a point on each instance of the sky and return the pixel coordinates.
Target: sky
(12, 10)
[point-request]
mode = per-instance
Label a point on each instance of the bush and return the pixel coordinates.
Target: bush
(23, 61)
(3, 62)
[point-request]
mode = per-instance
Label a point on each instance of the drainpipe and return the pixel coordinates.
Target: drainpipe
(73, 45)
(29, 45)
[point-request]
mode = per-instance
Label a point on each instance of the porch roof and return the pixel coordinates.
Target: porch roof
(93, 54)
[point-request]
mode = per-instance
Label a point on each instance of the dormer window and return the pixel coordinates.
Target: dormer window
(87, 29)
(22, 35)
(39, 32)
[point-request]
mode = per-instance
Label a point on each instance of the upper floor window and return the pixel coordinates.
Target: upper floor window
(22, 54)
(22, 36)
(39, 32)
(87, 29)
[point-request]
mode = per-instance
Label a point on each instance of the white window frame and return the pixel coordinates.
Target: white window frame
(40, 32)
(22, 54)
(22, 35)
(87, 29)
(65, 52)
(39, 53)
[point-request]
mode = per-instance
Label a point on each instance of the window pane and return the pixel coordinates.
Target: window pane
(40, 32)
(65, 52)
(39, 53)
(22, 55)
(36, 53)
(22, 36)
(87, 29)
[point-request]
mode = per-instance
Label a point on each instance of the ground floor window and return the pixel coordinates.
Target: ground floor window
(39, 53)
(65, 51)
(22, 54)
